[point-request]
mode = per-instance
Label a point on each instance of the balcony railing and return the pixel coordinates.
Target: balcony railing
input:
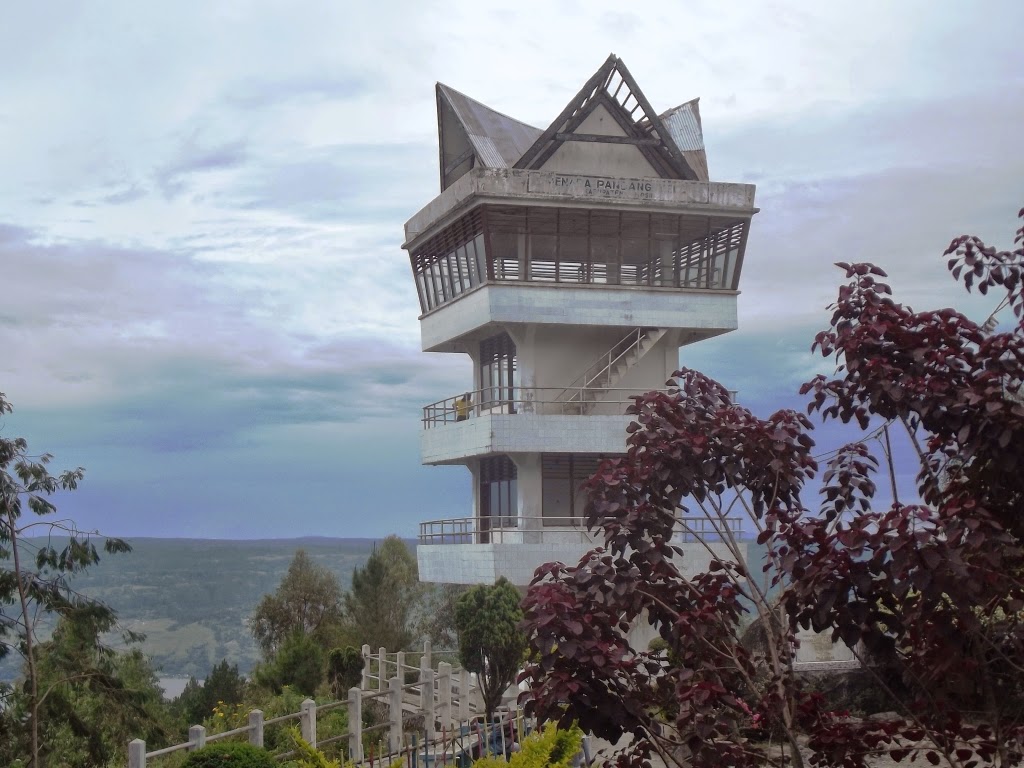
(573, 401)
(562, 530)
(511, 400)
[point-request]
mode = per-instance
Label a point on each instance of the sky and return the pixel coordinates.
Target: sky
(204, 299)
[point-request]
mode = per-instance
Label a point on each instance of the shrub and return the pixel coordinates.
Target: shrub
(550, 748)
(232, 754)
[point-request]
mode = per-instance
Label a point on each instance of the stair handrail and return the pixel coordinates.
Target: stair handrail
(630, 341)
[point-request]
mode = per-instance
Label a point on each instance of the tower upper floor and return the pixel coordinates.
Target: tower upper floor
(611, 205)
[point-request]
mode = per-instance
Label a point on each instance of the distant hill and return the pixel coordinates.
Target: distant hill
(193, 597)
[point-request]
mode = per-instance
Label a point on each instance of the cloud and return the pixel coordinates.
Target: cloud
(260, 93)
(194, 157)
(227, 339)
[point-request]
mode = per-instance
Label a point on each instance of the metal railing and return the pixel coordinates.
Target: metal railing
(601, 367)
(514, 400)
(518, 530)
(545, 401)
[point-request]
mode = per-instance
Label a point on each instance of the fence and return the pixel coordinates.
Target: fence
(447, 699)
(559, 530)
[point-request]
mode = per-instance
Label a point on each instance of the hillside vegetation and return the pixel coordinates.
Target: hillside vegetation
(192, 598)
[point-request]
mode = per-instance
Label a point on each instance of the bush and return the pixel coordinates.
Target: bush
(232, 754)
(550, 748)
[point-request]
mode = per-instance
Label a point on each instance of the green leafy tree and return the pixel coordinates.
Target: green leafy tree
(490, 642)
(308, 601)
(344, 670)
(298, 663)
(223, 685)
(385, 597)
(437, 614)
(35, 580)
(92, 700)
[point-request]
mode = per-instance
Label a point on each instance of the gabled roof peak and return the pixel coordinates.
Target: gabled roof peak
(670, 145)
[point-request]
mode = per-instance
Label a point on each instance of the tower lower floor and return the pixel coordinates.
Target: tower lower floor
(528, 509)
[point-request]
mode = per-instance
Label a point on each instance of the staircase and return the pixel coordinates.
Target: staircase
(605, 372)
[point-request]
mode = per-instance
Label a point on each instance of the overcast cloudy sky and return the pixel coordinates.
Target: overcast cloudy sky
(201, 206)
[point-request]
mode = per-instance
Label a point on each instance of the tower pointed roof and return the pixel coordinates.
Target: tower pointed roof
(613, 88)
(472, 135)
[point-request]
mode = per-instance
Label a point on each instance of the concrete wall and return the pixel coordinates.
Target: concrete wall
(523, 433)
(485, 563)
(496, 184)
(705, 313)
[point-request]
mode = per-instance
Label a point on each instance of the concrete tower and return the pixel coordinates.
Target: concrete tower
(570, 263)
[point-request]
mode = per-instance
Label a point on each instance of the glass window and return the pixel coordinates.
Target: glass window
(499, 502)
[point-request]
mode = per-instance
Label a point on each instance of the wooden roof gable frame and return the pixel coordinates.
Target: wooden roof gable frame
(614, 88)
(472, 135)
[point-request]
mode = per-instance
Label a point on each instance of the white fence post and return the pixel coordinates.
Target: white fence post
(355, 725)
(256, 728)
(464, 695)
(400, 666)
(395, 715)
(365, 684)
(136, 753)
(427, 704)
(382, 669)
(308, 721)
(444, 694)
(197, 735)
(427, 662)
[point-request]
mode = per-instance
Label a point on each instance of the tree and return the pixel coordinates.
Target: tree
(307, 601)
(344, 670)
(38, 587)
(223, 685)
(490, 641)
(93, 700)
(385, 594)
(932, 590)
(298, 663)
(437, 615)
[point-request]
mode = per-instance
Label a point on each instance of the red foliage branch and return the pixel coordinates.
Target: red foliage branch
(931, 590)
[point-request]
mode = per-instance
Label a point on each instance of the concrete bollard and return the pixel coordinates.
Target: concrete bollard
(136, 753)
(308, 721)
(427, 704)
(444, 694)
(355, 725)
(394, 714)
(365, 684)
(197, 735)
(256, 728)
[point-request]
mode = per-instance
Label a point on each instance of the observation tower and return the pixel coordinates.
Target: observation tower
(570, 263)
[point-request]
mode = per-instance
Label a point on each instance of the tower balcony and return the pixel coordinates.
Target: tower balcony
(481, 550)
(525, 420)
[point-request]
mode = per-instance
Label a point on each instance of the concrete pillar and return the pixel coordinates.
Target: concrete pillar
(426, 662)
(136, 753)
(530, 490)
(382, 668)
(197, 735)
(308, 721)
(394, 714)
(365, 684)
(463, 695)
(427, 703)
(400, 665)
(355, 724)
(256, 728)
(444, 695)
